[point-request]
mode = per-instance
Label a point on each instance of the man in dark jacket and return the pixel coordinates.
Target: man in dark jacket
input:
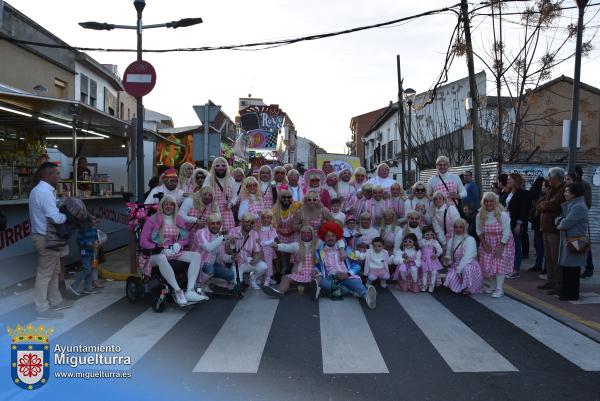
(550, 209)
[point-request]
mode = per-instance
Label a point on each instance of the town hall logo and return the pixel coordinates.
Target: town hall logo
(30, 355)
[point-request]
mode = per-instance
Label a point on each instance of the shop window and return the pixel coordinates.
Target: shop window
(60, 88)
(121, 110)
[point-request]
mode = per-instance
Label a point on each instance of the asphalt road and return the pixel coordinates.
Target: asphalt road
(411, 347)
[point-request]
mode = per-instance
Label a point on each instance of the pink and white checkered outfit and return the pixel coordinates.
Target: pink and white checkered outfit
(490, 265)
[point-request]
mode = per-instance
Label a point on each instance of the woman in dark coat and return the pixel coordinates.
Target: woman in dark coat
(517, 205)
(535, 195)
(572, 223)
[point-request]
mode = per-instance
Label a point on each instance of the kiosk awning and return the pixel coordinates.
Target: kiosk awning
(98, 134)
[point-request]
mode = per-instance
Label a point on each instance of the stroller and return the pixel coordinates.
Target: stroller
(149, 280)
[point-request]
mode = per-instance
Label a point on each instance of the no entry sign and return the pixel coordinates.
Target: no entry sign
(139, 78)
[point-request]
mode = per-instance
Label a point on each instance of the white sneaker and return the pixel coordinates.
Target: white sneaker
(431, 288)
(383, 283)
(497, 293)
(371, 297)
(73, 290)
(180, 298)
(543, 276)
(254, 285)
(423, 287)
(193, 296)
(489, 290)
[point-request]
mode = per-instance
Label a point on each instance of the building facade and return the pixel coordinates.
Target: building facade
(359, 126)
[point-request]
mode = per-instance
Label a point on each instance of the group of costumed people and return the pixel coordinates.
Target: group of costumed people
(340, 232)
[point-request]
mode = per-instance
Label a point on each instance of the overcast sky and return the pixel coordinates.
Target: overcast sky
(320, 84)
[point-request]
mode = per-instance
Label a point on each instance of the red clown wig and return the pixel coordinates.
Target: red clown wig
(330, 226)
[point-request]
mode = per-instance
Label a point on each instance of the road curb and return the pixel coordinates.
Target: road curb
(588, 328)
(109, 275)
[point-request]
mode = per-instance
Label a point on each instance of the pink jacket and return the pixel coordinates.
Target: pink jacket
(149, 236)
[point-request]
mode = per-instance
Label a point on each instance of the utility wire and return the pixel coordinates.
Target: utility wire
(247, 46)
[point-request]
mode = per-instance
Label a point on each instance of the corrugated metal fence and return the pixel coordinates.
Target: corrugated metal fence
(591, 173)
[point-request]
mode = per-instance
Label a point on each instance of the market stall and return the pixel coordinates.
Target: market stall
(34, 129)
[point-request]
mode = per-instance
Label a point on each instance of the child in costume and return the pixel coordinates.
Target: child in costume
(408, 261)
(431, 251)
(336, 207)
(268, 237)
(377, 262)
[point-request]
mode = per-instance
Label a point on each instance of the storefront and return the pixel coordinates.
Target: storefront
(34, 129)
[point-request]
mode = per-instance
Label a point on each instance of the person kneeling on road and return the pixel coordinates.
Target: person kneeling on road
(243, 248)
(333, 269)
(165, 234)
(210, 244)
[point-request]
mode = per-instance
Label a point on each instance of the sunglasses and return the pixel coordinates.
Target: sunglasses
(286, 197)
(419, 189)
(200, 176)
(311, 200)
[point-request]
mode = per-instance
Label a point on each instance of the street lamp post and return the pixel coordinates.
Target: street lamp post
(409, 96)
(575, 106)
(139, 27)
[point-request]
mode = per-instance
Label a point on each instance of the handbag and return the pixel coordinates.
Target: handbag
(579, 244)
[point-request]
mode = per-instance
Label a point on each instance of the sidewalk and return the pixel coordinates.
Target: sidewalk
(582, 315)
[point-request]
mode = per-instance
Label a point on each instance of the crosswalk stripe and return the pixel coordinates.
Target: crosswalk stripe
(573, 346)
(239, 344)
(347, 343)
(15, 301)
(461, 348)
(85, 308)
(142, 333)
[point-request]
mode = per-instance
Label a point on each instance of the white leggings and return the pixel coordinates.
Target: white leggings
(167, 272)
(258, 269)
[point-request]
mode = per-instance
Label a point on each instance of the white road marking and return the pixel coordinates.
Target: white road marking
(137, 337)
(347, 343)
(461, 348)
(573, 346)
(239, 344)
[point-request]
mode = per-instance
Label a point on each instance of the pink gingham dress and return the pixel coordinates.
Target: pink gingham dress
(255, 206)
(305, 271)
(267, 198)
(194, 227)
(330, 256)
(251, 246)
(472, 279)
(427, 250)
(171, 235)
(268, 251)
(405, 268)
(490, 265)
(314, 223)
(451, 188)
(222, 200)
(285, 231)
